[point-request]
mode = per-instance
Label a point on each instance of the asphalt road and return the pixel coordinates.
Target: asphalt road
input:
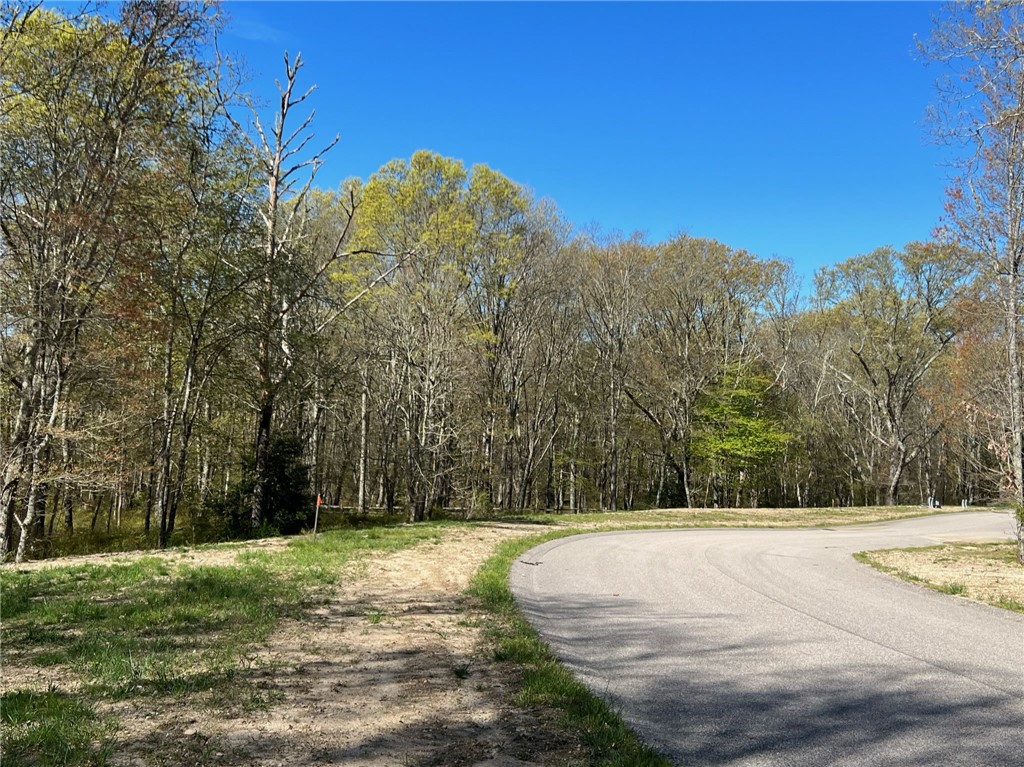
(775, 647)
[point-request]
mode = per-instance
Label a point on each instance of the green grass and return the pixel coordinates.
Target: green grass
(151, 628)
(143, 628)
(1010, 604)
(543, 681)
(50, 728)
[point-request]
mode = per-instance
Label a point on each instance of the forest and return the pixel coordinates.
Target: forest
(197, 341)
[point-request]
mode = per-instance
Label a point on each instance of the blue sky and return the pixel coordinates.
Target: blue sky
(790, 129)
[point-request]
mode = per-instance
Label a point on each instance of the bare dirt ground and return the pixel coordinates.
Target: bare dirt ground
(221, 554)
(393, 670)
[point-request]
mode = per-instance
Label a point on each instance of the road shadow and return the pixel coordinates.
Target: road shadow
(697, 692)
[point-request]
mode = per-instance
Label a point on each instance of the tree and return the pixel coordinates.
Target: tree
(294, 266)
(738, 434)
(420, 206)
(981, 108)
(617, 275)
(200, 231)
(87, 105)
(893, 314)
(701, 308)
(510, 284)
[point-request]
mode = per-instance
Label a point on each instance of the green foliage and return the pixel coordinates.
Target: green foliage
(738, 432)
(290, 507)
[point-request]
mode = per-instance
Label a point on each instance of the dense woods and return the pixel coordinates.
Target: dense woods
(197, 340)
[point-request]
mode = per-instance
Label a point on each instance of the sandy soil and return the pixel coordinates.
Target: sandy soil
(219, 554)
(394, 670)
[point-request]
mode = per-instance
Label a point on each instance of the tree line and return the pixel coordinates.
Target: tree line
(198, 339)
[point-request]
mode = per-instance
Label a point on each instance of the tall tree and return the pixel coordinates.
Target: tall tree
(895, 315)
(981, 108)
(294, 265)
(419, 205)
(87, 104)
(617, 276)
(701, 309)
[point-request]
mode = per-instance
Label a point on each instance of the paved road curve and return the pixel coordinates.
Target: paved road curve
(775, 647)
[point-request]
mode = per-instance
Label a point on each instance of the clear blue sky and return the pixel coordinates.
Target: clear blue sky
(790, 129)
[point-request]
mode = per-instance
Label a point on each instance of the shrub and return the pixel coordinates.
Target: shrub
(289, 503)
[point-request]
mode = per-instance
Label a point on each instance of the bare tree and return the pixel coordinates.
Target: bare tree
(981, 108)
(894, 314)
(290, 270)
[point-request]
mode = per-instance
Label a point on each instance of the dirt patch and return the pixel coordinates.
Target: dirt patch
(214, 554)
(394, 669)
(985, 572)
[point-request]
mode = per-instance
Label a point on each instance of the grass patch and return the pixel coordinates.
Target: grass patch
(1009, 604)
(761, 518)
(50, 728)
(142, 628)
(315, 563)
(151, 628)
(543, 681)
(983, 572)
(869, 558)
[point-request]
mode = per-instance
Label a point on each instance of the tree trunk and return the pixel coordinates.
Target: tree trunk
(897, 462)
(1015, 375)
(613, 456)
(364, 454)
(263, 425)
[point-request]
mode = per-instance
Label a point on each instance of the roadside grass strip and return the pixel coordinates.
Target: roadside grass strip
(983, 572)
(544, 682)
(733, 517)
(149, 629)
